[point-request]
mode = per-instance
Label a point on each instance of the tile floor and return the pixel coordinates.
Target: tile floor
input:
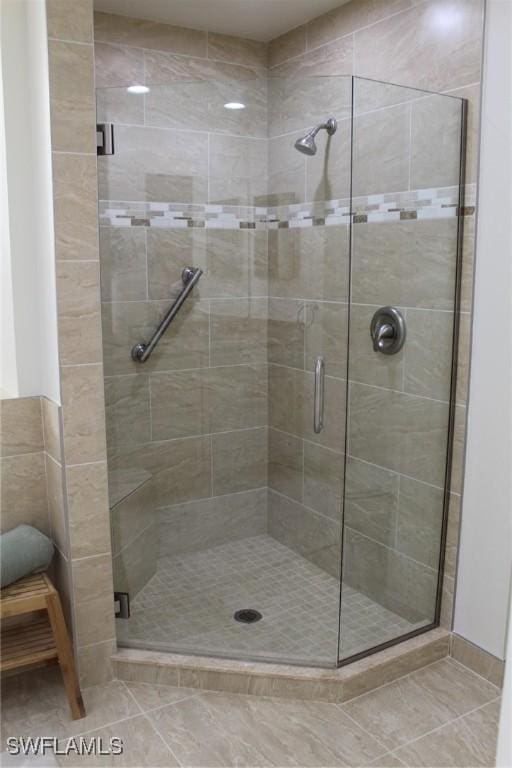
(188, 606)
(442, 715)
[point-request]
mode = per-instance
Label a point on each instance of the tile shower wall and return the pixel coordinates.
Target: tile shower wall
(83, 517)
(187, 431)
(433, 45)
(31, 479)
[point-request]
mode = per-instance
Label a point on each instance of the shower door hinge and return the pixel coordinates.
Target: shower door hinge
(105, 138)
(121, 605)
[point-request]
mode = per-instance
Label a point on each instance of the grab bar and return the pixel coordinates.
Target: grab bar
(190, 276)
(319, 395)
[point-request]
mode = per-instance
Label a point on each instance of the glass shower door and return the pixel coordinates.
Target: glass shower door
(406, 169)
(225, 501)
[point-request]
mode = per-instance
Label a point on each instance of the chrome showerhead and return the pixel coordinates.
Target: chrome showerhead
(307, 144)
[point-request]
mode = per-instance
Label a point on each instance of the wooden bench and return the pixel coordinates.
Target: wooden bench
(41, 639)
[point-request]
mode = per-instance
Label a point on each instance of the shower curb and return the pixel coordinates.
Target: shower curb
(283, 681)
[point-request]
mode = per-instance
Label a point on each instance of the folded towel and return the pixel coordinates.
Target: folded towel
(23, 550)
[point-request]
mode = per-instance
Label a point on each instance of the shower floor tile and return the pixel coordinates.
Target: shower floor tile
(189, 603)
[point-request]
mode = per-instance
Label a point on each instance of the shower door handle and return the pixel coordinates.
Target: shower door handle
(318, 419)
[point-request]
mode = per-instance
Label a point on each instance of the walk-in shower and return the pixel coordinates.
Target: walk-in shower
(278, 464)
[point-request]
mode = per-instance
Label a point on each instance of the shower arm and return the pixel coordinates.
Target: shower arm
(142, 352)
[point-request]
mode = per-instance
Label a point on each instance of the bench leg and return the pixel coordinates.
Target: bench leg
(65, 653)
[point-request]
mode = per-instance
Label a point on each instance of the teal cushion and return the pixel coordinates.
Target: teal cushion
(23, 550)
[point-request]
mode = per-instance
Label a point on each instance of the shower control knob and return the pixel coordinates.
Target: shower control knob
(388, 330)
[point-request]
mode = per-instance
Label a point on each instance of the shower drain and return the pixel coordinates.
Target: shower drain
(247, 615)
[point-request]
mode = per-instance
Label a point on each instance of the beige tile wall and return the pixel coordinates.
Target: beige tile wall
(31, 479)
(72, 104)
(194, 418)
(411, 43)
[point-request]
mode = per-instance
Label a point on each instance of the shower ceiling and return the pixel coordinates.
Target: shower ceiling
(256, 19)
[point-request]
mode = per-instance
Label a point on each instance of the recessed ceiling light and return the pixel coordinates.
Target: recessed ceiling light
(137, 89)
(234, 105)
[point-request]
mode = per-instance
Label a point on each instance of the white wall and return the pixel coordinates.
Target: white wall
(29, 312)
(486, 536)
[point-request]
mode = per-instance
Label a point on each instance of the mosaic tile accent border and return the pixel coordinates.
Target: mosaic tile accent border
(419, 204)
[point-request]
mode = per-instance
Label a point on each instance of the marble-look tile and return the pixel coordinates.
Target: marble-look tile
(239, 460)
(463, 358)
(203, 401)
(88, 517)
(435, 142)
(323, 480)
(63, 25)
(78, 310)
(237, 263)
(237, 50)
(117, 66)
(83, 413)
(117, 105)
(51, 428)
(208, 522)
(326, 335)
(143, 33)
(287, 46)
(152, 696)
(72, 97)
(75, 196)
(286, 321)
(187, 103)
(285, 464)
(406, 48)
(95, 663)
(183, 346)
(169, 251)
(349, 17)
(420, 517)
(286, 171)
(389, 578)
(170, 69)
(447, 602)
(238, 397)
(302, 92)
(94, 607)
(471, 740)
(23, 492)
(313, 536)
(127, 409)
(452, 536)
(482, 662)
(414, 705)
(155, 164)
(411, 437)
(123, 263)
(415, 266)
(136, 564)
(458, 452)
(267, 732)
(371, 501)
(181, 469)
(328, 172)
(388, 761)
(132, 515)
(238, 331)
(366, 365)
(154, 674)
(294, 274)
(427, 366)
(381, 151)
(472, 94)
(21, 426)
(57, 511)
(237, 170)
(468, 263)
(142, 746)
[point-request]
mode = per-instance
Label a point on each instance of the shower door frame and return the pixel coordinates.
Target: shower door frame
(453, 378)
